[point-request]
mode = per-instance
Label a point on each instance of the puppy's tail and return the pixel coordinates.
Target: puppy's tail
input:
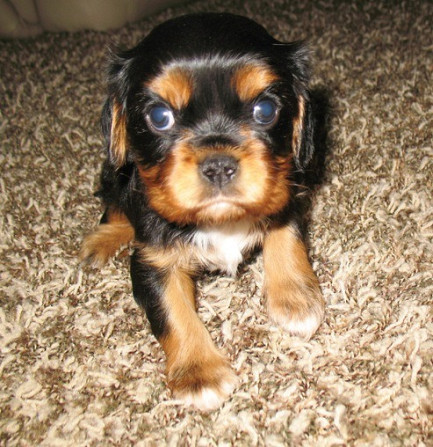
(99, 246)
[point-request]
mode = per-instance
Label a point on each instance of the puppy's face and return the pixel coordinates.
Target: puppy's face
(216, 128)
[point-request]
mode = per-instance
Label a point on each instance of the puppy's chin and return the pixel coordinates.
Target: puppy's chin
(220, 211)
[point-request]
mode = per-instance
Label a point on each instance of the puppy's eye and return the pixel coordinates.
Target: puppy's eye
(265, 112)
(161, 118)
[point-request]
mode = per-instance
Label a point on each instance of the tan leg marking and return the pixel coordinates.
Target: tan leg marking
(99, 246)
(197, 373)
(293, 294)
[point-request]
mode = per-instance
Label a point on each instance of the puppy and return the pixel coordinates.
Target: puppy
(209, 132)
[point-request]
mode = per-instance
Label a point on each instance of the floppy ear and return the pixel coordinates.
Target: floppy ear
(114, 129)
(303, 123)
(303, 134)
(114, 121)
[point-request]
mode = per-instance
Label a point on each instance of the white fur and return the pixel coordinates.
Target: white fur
(210, 398)
(223, 247)
(304, 328)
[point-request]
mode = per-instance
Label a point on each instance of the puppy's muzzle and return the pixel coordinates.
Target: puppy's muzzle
(219, 169)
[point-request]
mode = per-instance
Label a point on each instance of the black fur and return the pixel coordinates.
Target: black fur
(147, 287)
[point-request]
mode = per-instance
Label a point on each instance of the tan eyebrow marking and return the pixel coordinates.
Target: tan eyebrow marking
(251, 80)
(174, 85)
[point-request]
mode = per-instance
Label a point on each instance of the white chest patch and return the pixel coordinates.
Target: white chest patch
(223, 247)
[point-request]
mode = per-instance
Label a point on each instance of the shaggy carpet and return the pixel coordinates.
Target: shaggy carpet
(79, 366)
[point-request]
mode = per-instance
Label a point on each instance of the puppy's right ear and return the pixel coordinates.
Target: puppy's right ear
(114, 129)
(114, 118)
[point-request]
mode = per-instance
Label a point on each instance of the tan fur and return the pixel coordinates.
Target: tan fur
(263, 183)
(196, 371)
(251, 80)
(174, 186)
(298, 124)
(178, 193)
(99, 246)
(292, 290)
(118, 139)
(176, 256)
(175, 85)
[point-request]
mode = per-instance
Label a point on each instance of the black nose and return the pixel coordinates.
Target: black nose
(219, 169)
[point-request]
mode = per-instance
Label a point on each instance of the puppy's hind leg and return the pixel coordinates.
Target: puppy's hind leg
(99, 246)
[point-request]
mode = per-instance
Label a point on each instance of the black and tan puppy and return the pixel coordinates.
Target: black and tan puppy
(209, 132)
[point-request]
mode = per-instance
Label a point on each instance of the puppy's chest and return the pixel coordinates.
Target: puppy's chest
(224, 247)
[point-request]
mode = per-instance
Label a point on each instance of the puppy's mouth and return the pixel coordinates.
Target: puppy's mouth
(220, 208)
(219, 205)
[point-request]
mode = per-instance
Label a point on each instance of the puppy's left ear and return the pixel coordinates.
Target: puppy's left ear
(303, 123)
(303, 133)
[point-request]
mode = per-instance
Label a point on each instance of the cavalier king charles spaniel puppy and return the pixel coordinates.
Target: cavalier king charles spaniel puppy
(209, 131)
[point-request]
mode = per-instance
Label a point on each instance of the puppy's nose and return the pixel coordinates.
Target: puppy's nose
(219, 169)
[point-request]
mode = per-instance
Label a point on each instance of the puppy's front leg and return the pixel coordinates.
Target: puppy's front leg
(292, 291)
(196, 372)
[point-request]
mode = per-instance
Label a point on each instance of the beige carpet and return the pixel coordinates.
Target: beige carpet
(79, 366)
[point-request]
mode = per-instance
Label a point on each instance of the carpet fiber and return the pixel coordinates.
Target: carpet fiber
(79, 365)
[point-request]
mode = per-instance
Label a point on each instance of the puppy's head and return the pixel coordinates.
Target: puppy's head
(215, 115)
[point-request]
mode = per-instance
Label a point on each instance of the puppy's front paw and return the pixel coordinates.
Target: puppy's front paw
(204, 386)
(292, 290)
(296, 308)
